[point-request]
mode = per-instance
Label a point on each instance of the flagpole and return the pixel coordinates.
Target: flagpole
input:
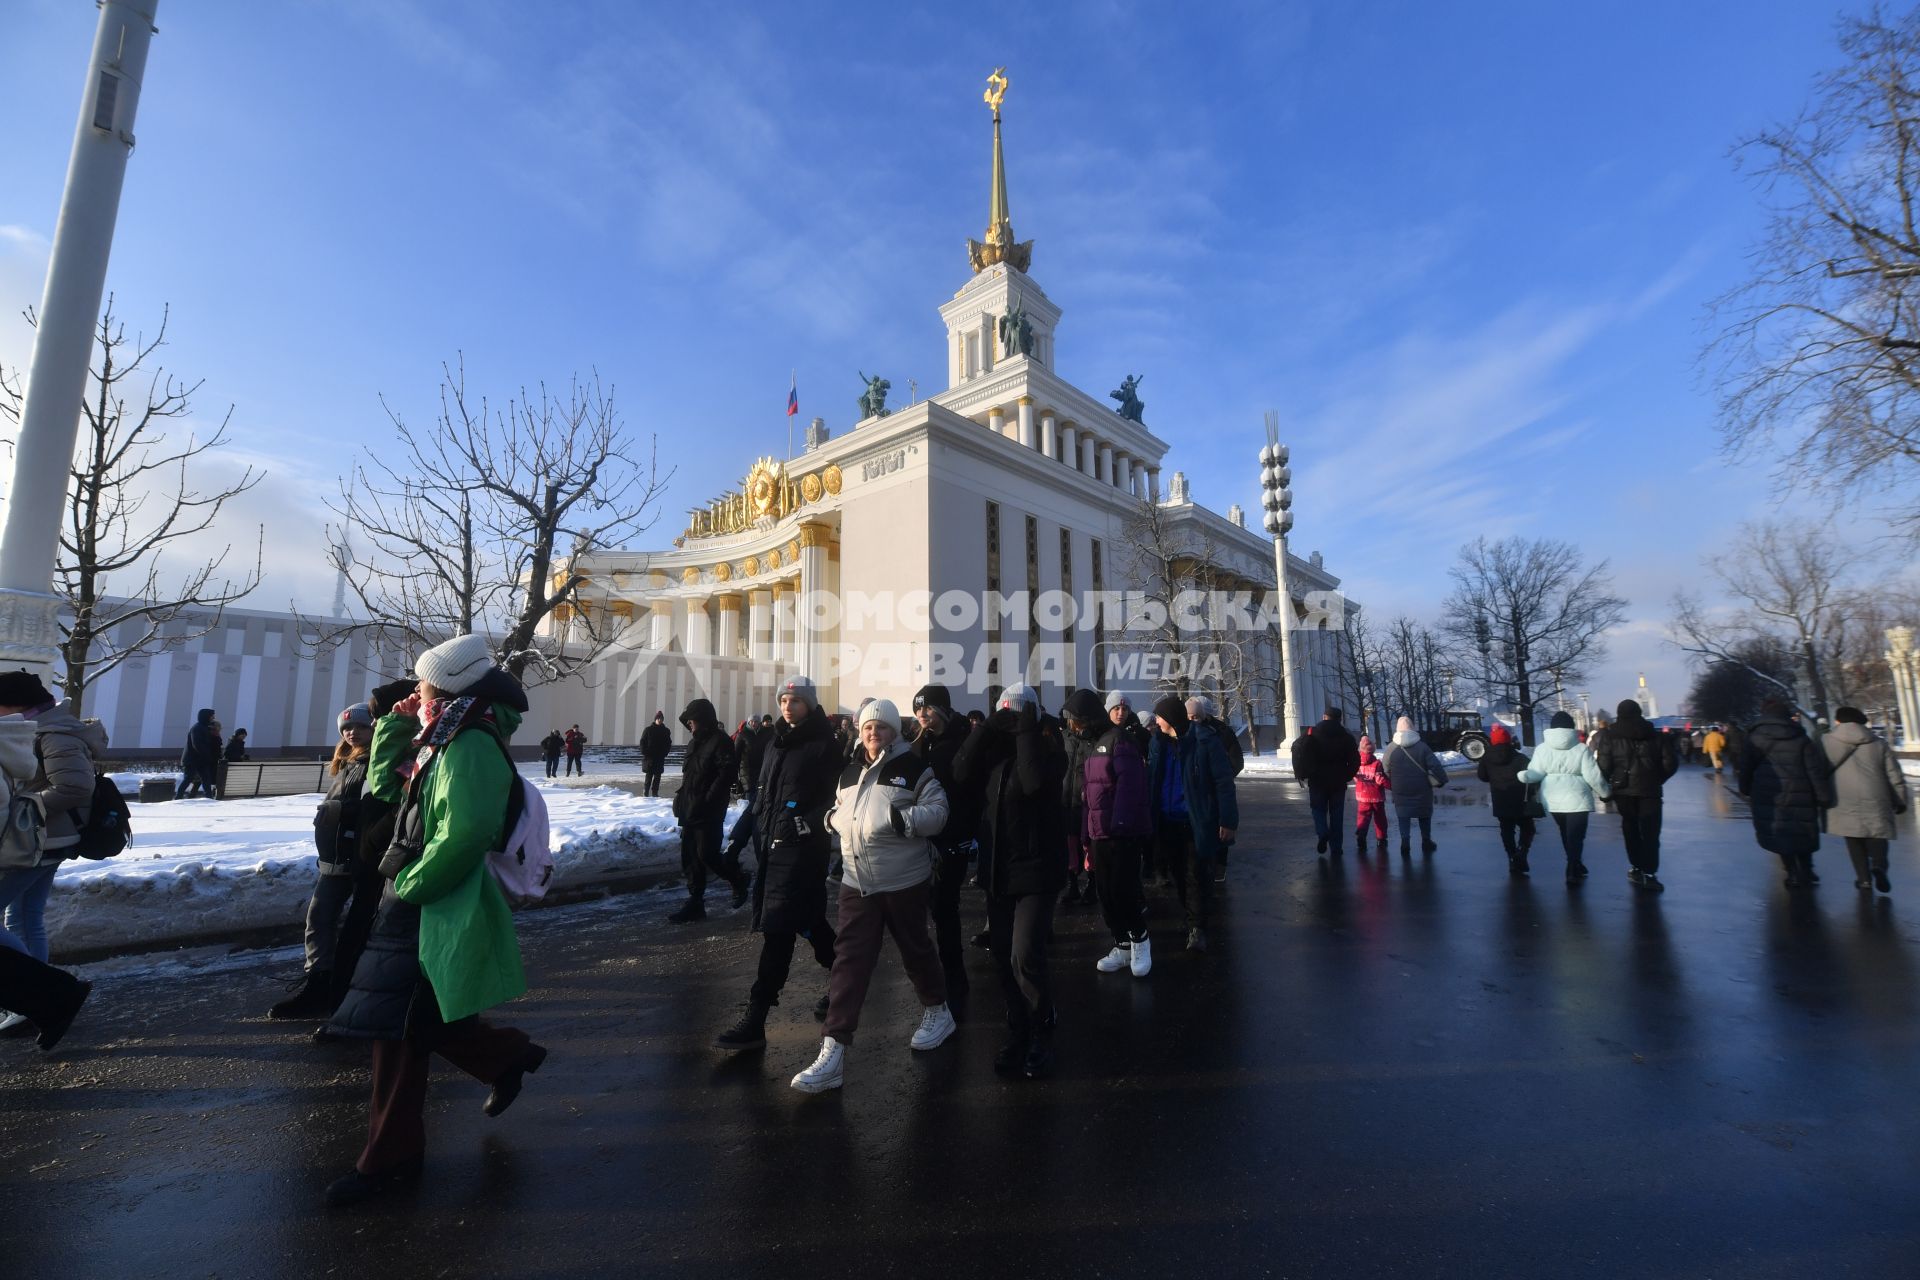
(792, 382)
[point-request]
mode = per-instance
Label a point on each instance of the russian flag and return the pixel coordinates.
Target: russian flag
(793, 396)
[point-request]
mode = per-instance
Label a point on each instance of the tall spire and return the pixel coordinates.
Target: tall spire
(1000, 245)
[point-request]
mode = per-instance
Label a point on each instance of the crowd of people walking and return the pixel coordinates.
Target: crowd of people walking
(859, 828)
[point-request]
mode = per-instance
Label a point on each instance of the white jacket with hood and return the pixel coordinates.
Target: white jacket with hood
(1568, 775)
(877, 855)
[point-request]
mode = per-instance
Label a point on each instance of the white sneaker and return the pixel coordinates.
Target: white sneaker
(936, 1024)
(12, 1020)
(826, 1070)
(1142, 958)
(1114, 961)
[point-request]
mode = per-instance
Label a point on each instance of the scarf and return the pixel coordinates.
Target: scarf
(441, 720)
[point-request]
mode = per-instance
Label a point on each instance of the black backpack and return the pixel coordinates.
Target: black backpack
(109, 825)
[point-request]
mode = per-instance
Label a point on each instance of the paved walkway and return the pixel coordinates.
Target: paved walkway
(1387, 1068)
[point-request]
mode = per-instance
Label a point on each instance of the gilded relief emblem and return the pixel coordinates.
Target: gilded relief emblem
(810, 487)
(831, 478)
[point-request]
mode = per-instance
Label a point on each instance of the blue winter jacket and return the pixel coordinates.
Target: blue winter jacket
(1207, 772)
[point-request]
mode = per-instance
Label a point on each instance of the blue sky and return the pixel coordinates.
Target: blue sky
(1464, 250)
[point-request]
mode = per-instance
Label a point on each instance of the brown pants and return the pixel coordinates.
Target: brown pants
(856, 952)
(396, 1124)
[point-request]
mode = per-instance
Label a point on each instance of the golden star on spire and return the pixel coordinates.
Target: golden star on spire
(1000, 245)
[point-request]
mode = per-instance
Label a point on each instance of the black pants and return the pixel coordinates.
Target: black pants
(1573, 833)
(198, 779)
(574, 765)
(1640, 829)
(1329, 806)
(1017, 930)
(949, 877)
(700, 853)
(776, 959)
(38, 991)
(1869, 855)
(1116, 877)
(650, 778)
(553, 766)
(1522, 827)
(1192, 876)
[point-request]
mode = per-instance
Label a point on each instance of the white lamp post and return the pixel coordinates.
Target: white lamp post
(1276, 502)
(63, 340)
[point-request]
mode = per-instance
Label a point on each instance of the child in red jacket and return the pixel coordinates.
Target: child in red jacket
(1370, 787)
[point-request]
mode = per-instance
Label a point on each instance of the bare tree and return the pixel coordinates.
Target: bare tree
(131, 495)
(1730, 690)
(1544, 610)
(1361, 671)
(1795, 588)
(479, 523)
(1822, 346)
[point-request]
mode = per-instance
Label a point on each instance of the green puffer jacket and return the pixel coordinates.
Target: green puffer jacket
(468, 948)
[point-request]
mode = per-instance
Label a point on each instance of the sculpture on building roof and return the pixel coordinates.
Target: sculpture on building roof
(1131, 406)
(873, 401)
(1016, 331)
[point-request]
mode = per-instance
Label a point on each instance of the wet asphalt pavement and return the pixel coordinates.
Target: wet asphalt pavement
(1384, 1068)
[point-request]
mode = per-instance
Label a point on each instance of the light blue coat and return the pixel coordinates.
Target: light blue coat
(1568, 775)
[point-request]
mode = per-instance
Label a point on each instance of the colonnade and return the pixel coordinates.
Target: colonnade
(1075, 445)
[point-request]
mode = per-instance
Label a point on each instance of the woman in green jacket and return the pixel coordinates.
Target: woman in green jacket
(443, 949)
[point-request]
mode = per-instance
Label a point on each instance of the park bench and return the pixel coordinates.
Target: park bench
(251, 780)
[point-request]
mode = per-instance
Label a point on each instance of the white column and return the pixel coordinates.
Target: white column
(1123, 472)
(813, 577)
(760, 624)
(660, 620)
(1153, 484)
(996, 423)
(781, 635)
(1026, 422)
(1105, 464)
(1069, 445)
(1089, 462)
(729, 637)
(63, 335)
(1049, 436)
(699, 629)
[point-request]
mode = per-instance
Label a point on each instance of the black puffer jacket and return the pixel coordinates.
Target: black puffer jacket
(706, 776)
(1788, 780)
(755, 755)
(790, 822)
(940, 750)
(1332, 756)
(1500, 769)
(336, 823)
(1022, 815)
(1636, 758)
(656, 740)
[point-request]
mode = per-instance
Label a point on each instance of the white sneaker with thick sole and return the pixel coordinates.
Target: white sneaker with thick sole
(11, 1020)
(827, 1069)
(1142, 960)
(1114, 961)
(936, 1024)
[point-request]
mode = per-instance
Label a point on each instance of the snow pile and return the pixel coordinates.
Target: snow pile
(205, 867)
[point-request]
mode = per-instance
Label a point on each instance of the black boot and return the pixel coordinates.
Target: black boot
(694, 911)
(1806, 869)
(748, 1033)
(508, 1086)
(357, 1186)
(742, 890)
(314, 999)
(1012, 1058)
(1038, 1064)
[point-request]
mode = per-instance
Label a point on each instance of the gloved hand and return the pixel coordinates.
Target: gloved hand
(381, 700)
(899, 822)
(1006, 720)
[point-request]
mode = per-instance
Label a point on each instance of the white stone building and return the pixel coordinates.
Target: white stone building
(1010, 483)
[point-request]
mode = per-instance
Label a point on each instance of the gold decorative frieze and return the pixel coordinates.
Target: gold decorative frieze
(831, 478)
(767, 493)
(810, 487)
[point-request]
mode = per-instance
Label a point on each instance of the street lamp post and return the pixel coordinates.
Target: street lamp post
(1276, 500)
(63, 336)
(1586, 715)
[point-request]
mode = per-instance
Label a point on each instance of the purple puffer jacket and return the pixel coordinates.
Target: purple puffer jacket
(1117, 797)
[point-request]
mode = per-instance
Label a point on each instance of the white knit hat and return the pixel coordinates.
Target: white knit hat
(457, 665)
(1119, 699)
(881, 709)
(1200, 707)
(1016, 696)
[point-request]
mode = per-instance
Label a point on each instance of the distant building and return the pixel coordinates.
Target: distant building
(1649, 705)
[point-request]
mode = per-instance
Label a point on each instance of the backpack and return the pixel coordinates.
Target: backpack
(20, 838)
(109, 824)
(523, 864)
(1236, 755)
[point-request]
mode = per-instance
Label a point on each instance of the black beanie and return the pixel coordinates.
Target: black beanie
(22, 689)
(1086, 706)
(1561, 720)
(1173, 711)
(1628, 710)
(933, 695)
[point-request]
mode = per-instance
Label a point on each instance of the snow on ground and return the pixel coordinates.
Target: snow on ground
(200, 867)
